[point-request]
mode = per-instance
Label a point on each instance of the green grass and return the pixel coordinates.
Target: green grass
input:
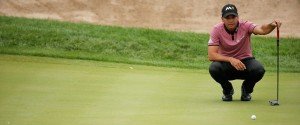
(128, 45)
(51, 91)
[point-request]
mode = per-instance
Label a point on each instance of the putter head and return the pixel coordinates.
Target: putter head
(274, 102)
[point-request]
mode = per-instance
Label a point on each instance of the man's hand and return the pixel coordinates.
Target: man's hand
(275, 23)
(266, 28)
(237, 64)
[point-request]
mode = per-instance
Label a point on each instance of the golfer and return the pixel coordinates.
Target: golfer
(229, 49)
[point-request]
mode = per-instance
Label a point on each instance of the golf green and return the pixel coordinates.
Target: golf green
(52, 91)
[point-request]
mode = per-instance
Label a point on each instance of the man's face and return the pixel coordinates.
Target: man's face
(230, 22)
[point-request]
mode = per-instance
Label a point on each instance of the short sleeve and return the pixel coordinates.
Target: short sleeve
(214, 38)
(250, 26)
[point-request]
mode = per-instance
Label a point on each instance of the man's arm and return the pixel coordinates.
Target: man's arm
(266, 28)
(213, 55)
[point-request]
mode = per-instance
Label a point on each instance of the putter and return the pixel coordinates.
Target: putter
(276, 102)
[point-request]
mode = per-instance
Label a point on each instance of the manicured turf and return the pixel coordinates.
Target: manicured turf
(52, 91)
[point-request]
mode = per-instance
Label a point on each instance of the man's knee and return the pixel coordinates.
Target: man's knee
(261, 71)
(215, 67)
(258, 71)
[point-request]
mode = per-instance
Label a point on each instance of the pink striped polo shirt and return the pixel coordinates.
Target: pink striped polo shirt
(240, 47)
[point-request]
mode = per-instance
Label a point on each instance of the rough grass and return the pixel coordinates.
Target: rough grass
(128, 45)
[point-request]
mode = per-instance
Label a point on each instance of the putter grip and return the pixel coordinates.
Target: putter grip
(277, 30)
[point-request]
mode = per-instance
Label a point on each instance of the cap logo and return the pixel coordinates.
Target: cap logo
(229, 8)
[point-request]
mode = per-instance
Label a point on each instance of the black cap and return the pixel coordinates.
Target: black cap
(229, 9)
